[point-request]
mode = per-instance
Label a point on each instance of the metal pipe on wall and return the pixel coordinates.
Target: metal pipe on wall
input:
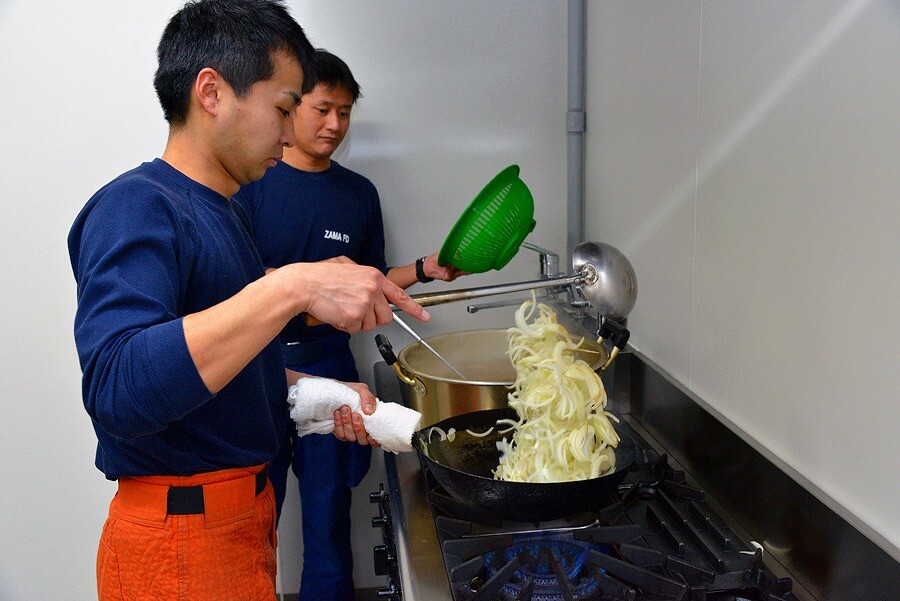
(575, 127)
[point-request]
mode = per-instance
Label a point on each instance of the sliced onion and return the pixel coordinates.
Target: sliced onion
(440, 432)
(563, 432)
(481, 434)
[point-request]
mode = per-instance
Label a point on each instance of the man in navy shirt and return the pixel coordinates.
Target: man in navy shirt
(177, 321)
(310, 208)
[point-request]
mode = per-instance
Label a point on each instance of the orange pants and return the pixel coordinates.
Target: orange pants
(226, 553)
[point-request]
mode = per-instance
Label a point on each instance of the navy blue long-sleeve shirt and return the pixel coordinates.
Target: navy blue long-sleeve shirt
(305, 216)
(147, 249)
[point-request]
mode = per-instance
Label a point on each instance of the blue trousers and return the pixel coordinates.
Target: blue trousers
(326, 469)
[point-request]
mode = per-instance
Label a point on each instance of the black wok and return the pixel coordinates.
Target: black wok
(463, 467)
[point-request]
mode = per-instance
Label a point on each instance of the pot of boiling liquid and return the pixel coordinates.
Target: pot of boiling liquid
(434, 390)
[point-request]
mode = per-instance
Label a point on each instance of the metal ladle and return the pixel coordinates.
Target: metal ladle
(604, 274)
(421, 341)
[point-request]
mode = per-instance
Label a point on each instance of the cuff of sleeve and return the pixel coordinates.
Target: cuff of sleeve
(174, 376)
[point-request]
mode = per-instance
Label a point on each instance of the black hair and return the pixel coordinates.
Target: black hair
(331, 71)
(234, 37)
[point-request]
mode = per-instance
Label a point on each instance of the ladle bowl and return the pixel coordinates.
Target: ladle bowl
(613, 290)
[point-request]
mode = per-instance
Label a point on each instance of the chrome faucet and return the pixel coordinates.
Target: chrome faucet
(549, 260)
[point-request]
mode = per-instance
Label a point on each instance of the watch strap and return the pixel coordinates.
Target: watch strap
(420, 271)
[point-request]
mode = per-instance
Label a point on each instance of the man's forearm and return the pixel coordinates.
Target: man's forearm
(223, 339)
(404, 276)
(293, 376)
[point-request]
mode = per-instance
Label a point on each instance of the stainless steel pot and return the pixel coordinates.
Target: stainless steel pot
(432, 389)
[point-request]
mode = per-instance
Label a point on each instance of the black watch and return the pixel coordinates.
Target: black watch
(420, 271)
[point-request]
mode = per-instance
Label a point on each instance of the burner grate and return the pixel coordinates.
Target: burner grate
(550, 569)
(656, 539)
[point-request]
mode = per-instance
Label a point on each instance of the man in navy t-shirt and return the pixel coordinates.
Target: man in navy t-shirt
(310, 208)
(177, 320)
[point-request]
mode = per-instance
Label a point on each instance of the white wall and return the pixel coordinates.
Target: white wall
(453, 93)
(745, 157)
(78, 107)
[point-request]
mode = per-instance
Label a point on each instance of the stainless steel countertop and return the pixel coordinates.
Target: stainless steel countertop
(423, 576)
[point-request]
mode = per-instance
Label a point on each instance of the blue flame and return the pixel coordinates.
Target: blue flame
(534, 551)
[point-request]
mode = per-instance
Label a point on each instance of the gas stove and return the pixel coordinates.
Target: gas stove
(660, 536)
(654, 539)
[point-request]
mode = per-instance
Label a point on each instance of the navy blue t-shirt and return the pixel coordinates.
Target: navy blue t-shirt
(303, 216)
(147, 249)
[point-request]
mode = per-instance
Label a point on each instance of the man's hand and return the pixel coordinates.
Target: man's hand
(349, 425)
(348, 296)
(341, 259)
(447, 273)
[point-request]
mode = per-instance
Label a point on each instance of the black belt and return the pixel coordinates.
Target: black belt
(188, 500)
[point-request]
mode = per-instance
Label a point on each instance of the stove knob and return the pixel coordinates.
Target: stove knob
(382, 559)
(376, 497)
(379, 521)
(390, 592)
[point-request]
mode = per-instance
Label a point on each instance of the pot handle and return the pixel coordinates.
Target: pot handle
(387, 353)
(617, 334)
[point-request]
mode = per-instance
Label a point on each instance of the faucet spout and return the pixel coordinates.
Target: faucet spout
(495, 304)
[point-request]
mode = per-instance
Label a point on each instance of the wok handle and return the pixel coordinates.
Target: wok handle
(617, 334)
(387, 353)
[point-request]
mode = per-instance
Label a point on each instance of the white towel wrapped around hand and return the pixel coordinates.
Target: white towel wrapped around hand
(314, 400)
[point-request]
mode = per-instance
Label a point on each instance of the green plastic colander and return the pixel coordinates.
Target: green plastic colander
(488, 234)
